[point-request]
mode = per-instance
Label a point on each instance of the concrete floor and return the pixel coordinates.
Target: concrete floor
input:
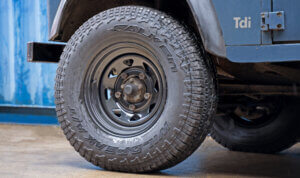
(42, 151)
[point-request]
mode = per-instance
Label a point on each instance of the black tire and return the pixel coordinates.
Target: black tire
(188, 103)
(272, 135)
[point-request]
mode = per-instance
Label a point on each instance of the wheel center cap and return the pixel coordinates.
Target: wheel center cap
(129, 89)
(134, 90)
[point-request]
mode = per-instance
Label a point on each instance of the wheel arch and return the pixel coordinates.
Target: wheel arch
(201, 18)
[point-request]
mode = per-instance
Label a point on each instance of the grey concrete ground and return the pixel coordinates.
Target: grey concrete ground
(42, 151)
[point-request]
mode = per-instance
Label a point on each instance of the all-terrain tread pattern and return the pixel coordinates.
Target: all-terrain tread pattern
(200, 99)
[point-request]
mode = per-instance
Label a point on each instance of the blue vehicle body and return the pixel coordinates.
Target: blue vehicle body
(249, 43)
(231, 29)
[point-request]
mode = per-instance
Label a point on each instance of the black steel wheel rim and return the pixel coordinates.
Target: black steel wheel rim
(125, 89)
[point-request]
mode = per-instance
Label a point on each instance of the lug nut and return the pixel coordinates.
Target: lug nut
(142, 76)
(132, 107)
(118, 94)
(147, 95)
(123, 75)
(122, 86)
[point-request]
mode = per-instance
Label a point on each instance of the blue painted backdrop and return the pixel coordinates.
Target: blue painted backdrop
(21, 83)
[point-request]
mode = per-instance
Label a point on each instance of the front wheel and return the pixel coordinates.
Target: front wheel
(133, 91)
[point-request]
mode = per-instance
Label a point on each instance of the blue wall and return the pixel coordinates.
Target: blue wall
(22, 84)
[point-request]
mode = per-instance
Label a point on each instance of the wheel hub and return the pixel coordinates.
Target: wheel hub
(133, 90)
(125, 89)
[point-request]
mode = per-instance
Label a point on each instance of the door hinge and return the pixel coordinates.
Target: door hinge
(272, 21)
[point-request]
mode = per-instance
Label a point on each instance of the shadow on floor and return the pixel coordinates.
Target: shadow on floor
(223, 162)
(27, 151)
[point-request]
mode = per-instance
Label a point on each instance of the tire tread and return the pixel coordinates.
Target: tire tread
(199, 83)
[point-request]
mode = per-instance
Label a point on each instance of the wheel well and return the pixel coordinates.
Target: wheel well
(77, 12)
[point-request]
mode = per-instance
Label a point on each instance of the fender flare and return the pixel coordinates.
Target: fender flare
(203, 12)
(209, 27)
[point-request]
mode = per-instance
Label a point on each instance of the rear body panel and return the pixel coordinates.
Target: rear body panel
(244, 38)
(231, 13)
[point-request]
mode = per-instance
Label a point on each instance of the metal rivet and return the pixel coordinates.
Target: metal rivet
(279, 25)
(279, 14)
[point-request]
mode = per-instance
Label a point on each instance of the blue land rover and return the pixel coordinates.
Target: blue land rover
(140, 83)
